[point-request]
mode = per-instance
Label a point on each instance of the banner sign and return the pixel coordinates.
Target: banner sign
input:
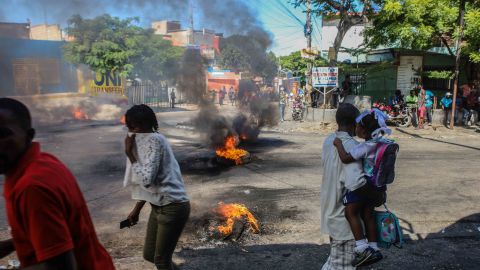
(325, 77)
(107, 83)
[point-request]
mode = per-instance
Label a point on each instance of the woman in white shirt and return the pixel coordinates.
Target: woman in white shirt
(155, 177)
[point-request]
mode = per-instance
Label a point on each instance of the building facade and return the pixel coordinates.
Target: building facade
(15, 30)
(46, 32)
(206, 40)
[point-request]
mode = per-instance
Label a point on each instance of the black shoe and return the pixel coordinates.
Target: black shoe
(361, 258)
(376, 256)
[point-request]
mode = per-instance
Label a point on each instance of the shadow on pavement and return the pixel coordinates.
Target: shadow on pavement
(436, 140)
(257, 257)
(432, 252)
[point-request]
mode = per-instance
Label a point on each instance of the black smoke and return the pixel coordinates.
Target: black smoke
(255, 108)
(227, 16)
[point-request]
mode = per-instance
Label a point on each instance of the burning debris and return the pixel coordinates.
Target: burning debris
(223, 133)
(79, 114)
(235, 219)
(230, 152)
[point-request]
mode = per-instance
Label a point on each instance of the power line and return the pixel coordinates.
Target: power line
(290, 13)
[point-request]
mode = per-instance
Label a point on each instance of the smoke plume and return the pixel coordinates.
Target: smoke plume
(227, 16)
(256, 110)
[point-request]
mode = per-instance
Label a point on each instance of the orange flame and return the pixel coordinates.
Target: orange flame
(229, 150)
(78, 114)
(232, 212)
(122, 120)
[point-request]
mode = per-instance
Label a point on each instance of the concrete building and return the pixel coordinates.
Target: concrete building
(46, 32)
(32, 67)
(15, 30)
(206, 40)
(165, 27)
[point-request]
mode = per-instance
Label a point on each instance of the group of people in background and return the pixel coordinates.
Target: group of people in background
(222, 93)
(422, 103)
(467, 103)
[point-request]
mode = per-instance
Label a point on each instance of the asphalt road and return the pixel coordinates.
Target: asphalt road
(436, 196)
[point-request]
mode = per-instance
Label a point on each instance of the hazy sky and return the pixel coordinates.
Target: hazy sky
(287, 32)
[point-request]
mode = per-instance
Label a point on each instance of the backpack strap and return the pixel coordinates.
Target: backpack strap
(380, 150)
(381, 147)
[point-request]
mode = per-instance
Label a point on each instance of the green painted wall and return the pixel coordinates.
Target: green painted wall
(438, 60)
(381, 83)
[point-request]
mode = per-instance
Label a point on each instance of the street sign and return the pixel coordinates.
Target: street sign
(325, 77)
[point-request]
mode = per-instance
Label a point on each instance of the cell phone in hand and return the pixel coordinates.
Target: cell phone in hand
(125, 224)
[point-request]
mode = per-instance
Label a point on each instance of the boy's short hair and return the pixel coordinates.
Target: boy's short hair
(346, 114)
(19, 111)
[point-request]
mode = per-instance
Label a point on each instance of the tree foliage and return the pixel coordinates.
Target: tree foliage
(108, 43)
(423, 24)
(157, 59)
(248, 54)
(298, 65)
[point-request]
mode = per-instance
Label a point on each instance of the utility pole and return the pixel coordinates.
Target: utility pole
(191, 32)
(308, 35)
(461, 23)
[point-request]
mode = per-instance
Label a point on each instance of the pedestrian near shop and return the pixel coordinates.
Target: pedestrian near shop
(421, 108)
(49, 219)
(430, 100)
(469, 107)
(155, 178)
(412, 104)
(446, 103)
(459, 105)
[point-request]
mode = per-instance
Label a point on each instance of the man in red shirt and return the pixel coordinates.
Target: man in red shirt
(48, 216)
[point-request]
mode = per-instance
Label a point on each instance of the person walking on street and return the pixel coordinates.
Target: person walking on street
(172, 98)
(446, 104)
(231, 95)
(221, 95)
(337, 179)
(283, 104)
(49, 219)
(154, 175)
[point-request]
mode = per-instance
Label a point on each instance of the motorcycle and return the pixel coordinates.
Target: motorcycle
(400, 116)
(471, 118)
(297, 112)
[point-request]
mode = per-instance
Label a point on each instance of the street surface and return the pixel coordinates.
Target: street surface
(436, 195)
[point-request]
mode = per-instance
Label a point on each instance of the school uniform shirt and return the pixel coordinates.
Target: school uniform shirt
(156, 176)
(337, 179)
(48, 215)
(365, 152)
